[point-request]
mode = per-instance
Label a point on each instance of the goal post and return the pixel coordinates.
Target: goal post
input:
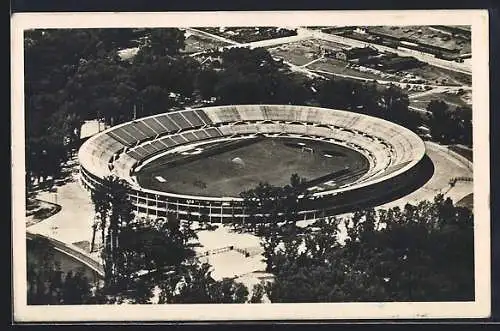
(307, 149)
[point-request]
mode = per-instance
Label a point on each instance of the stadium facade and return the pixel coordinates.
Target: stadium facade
(395, 155)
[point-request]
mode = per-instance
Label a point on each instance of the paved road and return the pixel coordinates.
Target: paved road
(254, 44)
(205, 34)
(437, 89)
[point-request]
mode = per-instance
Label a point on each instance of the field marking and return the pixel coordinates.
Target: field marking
(313, 61)
(160, 179)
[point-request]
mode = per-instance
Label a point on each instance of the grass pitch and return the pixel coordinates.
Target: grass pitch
(235, 169)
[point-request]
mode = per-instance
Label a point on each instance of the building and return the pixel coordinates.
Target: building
(398, 63)
(355, 53)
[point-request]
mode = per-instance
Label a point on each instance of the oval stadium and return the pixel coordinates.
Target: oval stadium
(196, 162)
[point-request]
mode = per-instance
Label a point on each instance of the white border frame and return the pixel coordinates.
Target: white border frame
(480, 308)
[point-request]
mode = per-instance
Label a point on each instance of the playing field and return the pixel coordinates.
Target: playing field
(230, 169)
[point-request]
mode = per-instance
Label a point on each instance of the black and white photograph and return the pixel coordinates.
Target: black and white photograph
(250, 166)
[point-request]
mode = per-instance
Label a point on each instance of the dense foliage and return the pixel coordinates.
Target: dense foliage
(450, 126)
(47, 284)
(421, 253)
(73, 75)
(271, 204)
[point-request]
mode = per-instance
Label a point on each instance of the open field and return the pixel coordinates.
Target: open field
(249, 34)
(297, 53)
(339, 67)
(440, 76)
(195, 44)
(453, 100)
(271, 160)
(303, 52)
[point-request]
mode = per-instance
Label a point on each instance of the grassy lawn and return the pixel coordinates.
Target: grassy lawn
(271, 160)
(339, 67)
(197, 44)
(298, 53)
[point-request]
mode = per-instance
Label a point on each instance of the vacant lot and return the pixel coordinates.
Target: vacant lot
(452, 100)
(426, 34)
(195, 44)
(271, 160)
(440, 76)
(298, 53)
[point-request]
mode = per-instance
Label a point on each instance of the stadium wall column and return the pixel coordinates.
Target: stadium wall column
(156, 210)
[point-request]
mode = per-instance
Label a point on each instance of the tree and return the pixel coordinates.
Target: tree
(196, 285)
(423, 252)
(160, 42)
(439, 119)
(206, 81)
(46, 283)
(258, 292)
(270, 204)
(114, 212)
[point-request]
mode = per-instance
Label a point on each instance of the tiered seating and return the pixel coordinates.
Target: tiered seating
(96, 153)
(123, 165)
(178, 139)
(269, 128)
(296, 129)
(251, 113)
(155, 124)
(189, 136)
(318, 131)
(193, 118)
(226, 130)
(168, 123)
(122, 136)
(202, 134)
(213, 132)
(388, 147)
(204, 118)
(180, 120)
(150, 148)
(226, 114)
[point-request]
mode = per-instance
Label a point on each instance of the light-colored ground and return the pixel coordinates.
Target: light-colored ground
(447, 165)
(74, 222)
(247, 270)
(90, 128)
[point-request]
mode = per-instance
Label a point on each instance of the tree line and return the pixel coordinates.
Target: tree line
(423, 252)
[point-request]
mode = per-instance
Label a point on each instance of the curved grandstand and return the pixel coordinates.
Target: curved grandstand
(394, 154)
